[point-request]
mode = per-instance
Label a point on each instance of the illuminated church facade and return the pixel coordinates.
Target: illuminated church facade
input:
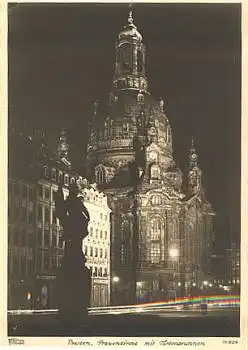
(161, 231)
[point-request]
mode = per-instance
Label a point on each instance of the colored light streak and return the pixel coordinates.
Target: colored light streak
(213, 301)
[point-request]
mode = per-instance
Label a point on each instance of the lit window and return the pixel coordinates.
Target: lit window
(154, 253)
(155, 229)
(155, 172)
(125, 243)
(156, 200)
(100, 175)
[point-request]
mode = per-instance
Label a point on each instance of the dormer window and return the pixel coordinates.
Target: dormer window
(54, 174)
(66, 179)
(45, 171)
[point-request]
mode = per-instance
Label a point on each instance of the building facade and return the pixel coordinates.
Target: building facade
(35, 246)
(161, 232)
(232, 270)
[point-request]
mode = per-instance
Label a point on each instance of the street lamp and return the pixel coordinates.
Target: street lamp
(174, 253)
(115, 280)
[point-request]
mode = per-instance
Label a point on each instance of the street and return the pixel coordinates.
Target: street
(120, 322)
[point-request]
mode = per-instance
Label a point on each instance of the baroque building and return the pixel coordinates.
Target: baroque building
(161, 233)
(35, 245)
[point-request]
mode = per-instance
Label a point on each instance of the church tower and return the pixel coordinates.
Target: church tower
(194, 171)
(130, 158)
(130, 59)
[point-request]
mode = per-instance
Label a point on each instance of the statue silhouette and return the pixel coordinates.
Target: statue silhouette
(74, 280)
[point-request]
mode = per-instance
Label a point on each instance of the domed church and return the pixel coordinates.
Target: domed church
(161, 234)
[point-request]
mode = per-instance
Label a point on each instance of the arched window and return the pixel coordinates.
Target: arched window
(155, 244)
(155, 172)
(45, 171)
(155, 229)
(126, 57)
(125, 243)
(139, 62)
(156, 200)
(100, 175)
(54, 174)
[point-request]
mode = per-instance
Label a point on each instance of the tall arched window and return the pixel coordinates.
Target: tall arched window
(139, 62)
(100, 175)
(125, 243)
(155, 229)
(156, 235)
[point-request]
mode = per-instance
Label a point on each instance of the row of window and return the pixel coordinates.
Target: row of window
(21, 238)
(45, 215)
(99, 272)
(45, 193)
(95, 252)
(98, 233)
(20, 265)
(46, 240)
(57, 176)
(24, 214)
(21, 190)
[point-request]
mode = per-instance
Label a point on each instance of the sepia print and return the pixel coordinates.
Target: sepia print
(124, 158)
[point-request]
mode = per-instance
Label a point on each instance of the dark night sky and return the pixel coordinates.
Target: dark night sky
(61, 59)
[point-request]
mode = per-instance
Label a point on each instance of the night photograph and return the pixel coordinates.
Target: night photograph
(124, 170)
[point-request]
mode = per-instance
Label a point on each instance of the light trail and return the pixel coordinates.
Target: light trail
(213, 301)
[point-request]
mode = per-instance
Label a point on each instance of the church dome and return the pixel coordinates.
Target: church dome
(130, 31)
